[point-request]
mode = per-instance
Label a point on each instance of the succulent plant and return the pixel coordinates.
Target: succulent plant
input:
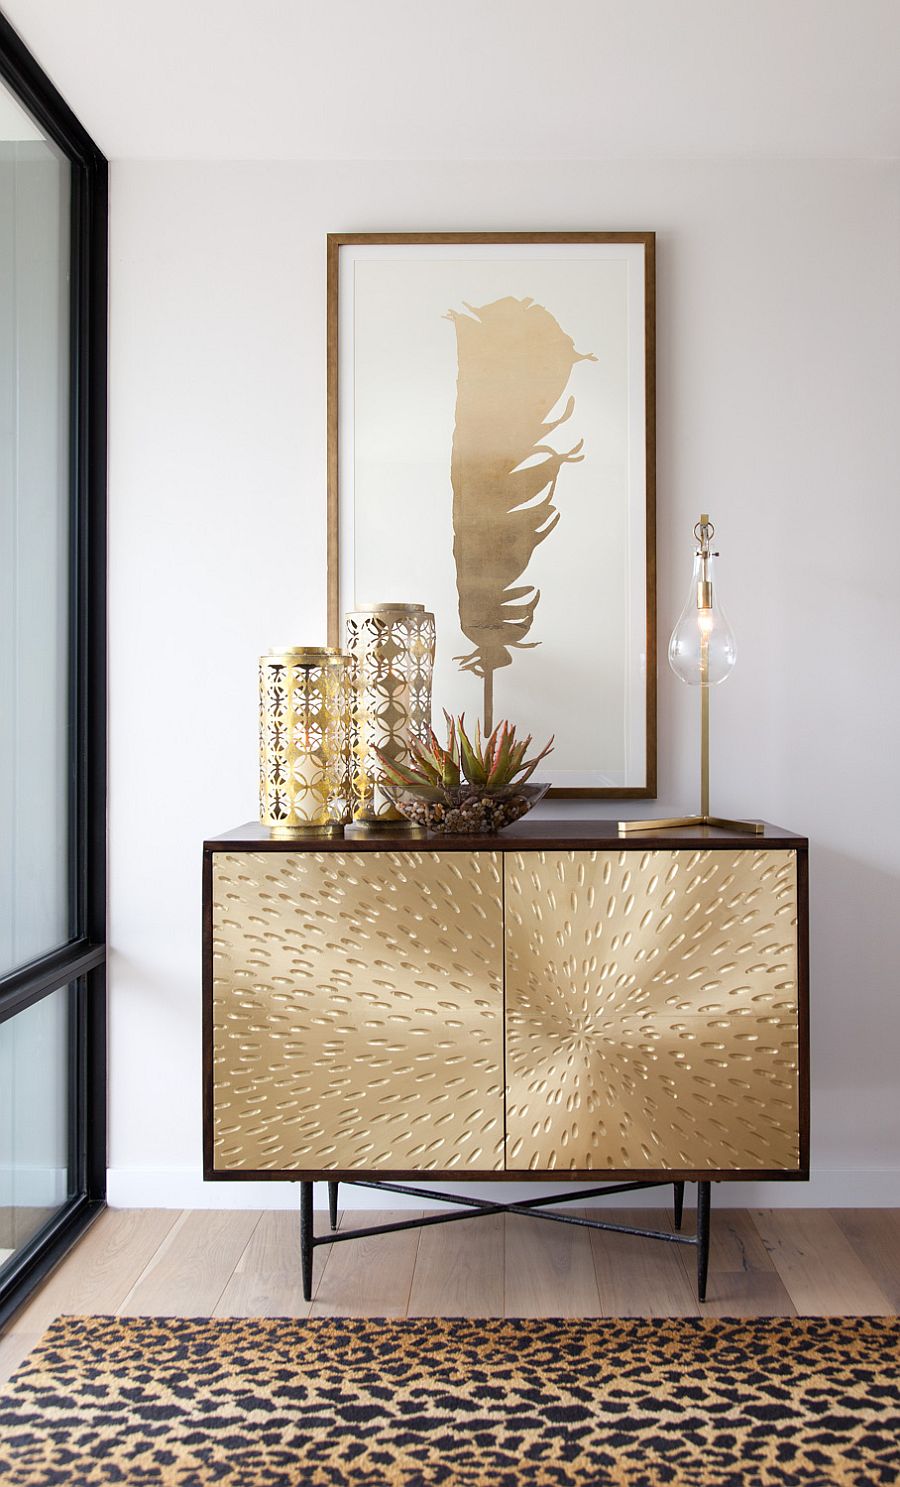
(492, 764)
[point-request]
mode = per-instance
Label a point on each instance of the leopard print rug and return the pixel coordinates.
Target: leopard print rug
(418, 1403)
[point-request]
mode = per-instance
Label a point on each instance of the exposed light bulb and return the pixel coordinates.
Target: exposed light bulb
(702, 645)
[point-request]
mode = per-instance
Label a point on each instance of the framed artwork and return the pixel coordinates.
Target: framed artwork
(491, 454)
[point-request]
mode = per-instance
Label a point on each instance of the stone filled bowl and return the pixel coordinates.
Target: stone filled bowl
(464, 809)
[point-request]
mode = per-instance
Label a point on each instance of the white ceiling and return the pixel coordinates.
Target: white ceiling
(474, 79)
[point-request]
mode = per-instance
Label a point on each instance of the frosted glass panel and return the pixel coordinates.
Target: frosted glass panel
(34, 536)
(34, 1176)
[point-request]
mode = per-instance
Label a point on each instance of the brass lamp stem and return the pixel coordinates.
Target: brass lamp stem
(704, 725)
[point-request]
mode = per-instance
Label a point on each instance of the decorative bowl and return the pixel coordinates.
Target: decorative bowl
(464, 809)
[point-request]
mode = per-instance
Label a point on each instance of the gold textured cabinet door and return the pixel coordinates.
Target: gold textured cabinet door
(357, 1011)
(651, 1010)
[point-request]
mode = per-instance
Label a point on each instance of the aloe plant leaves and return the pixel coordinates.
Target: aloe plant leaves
(492, 764)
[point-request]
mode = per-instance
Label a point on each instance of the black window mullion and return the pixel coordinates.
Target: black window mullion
(77, 1091)
(89, 239)
(94, 1121)
(44, 1251)
(79, 964)
(21, 988)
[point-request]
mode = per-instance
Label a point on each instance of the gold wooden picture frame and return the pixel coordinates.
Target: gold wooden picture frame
(492, 454)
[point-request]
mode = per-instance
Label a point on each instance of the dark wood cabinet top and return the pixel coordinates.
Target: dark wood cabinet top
(556, 834)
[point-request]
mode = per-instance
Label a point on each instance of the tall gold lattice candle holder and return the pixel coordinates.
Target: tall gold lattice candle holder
(304, 740)
(391, 654)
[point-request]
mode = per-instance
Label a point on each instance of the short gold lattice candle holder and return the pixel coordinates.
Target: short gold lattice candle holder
(391, 655)
(304, 741)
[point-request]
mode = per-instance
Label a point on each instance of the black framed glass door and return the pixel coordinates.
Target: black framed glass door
(53, 273)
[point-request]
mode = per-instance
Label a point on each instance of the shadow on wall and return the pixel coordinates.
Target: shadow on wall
(854, 1009)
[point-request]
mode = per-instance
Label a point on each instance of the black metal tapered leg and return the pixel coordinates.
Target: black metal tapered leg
(332, 1204)
(702, 1238)
(306, 1238)
(679, 1203)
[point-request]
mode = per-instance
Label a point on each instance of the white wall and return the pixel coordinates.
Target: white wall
(779, 384)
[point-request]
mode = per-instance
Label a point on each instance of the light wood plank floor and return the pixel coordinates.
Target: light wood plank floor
(762, 1263)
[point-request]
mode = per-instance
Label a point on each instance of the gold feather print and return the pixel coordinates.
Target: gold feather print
(513, 365)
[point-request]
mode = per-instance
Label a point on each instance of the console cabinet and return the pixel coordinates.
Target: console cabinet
(555, 1000)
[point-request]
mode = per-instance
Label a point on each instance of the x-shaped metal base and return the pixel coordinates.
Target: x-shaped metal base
(482, 1207)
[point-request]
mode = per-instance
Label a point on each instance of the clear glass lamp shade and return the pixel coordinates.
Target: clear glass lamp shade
(702, 639)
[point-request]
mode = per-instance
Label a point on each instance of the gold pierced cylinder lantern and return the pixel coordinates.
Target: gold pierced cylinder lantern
(391, 653)
(304, 740)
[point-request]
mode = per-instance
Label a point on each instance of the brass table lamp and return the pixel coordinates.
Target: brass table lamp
(702, 652)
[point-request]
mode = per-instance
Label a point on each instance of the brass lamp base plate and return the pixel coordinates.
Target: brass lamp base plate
(672, 823)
